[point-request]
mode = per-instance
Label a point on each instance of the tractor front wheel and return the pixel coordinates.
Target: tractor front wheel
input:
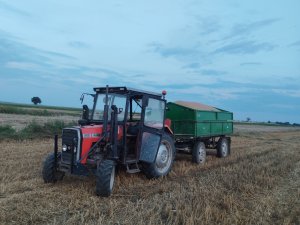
(105, 178)
(50, 173)
(164, 159)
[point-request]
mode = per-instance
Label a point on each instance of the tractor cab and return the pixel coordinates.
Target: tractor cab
(124, 127)
(129, 118)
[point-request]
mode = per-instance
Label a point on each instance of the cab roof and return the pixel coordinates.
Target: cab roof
(126, 90)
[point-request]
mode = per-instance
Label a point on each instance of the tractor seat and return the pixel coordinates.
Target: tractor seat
(133, 130)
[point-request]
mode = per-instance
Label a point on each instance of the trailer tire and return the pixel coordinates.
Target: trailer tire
(199, 153)
(105, 178)
(223, 147)
(164, 159)
(50, 173)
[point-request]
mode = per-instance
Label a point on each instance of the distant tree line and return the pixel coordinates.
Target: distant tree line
(287, 123)
(248, 119)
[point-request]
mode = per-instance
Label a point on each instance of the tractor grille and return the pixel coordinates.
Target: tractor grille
(70, 139)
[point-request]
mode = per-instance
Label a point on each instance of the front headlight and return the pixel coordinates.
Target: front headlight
(64, 147)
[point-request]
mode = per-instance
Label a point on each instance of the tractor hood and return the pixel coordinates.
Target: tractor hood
(95, 131)
(91, 131)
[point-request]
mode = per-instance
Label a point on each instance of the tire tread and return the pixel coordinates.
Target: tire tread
(103, 176)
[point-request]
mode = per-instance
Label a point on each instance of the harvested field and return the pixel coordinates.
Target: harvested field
(18, 122)
(261, 128)
(257, 184)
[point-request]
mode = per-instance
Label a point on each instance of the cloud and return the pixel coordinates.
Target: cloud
(247, 28)
(245, 47)
(172, 51)
(251, 64)
(282, 106)
(208, 25)
(192, 66)
(22, 65)
(211, 93)
(295, 44)
(286, 92)
(78, 44)
(56, 54)
(12, 49)
(39, 67)
(213, 72)
(12, 9)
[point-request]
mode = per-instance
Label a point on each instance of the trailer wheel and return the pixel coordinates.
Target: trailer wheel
(105, 178)
(199, 153)
(50, 173)
(164, 159)
(223, 148)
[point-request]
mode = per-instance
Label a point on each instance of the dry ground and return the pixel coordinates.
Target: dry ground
(259, 183)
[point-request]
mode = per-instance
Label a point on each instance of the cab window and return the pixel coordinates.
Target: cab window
(154, 113)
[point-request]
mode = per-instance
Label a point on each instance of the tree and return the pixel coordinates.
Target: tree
(248, 119)
(36, 100)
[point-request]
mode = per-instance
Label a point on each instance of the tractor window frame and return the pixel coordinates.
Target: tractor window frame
(135, 108)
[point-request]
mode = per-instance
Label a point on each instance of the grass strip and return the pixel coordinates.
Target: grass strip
(34, 112)
(34, 130)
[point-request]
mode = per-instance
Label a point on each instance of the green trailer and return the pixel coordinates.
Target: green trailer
(197, 127)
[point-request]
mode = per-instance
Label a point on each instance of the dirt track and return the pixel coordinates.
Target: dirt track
(257, 184)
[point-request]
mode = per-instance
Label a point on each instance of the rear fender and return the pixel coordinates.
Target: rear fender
(167, 126)
(168, 130)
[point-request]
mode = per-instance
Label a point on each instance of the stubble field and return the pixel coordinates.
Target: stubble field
(259, 183)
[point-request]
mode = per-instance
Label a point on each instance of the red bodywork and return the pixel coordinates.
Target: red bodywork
(92, 133)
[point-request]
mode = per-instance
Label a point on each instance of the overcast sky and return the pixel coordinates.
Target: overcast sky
(242, 56)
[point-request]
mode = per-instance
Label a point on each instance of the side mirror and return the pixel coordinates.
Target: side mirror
(81, 98)
(85, 112)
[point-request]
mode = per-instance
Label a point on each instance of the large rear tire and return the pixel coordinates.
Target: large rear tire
(223, 148)
(50, 173)
(199, 153)
(105, 178)
(164, 159)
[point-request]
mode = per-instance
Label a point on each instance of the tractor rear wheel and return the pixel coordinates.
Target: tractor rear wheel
(223, 148)
(164, 159)
(50, 173)
(105, 178)
(199, 153)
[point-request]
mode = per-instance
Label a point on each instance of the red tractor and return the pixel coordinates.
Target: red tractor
(125, 127)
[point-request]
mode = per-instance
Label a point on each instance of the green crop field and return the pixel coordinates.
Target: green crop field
(20, 105)
(37, 110)
(18, 121)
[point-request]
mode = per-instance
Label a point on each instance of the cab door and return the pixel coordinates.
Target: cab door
(153, 114)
